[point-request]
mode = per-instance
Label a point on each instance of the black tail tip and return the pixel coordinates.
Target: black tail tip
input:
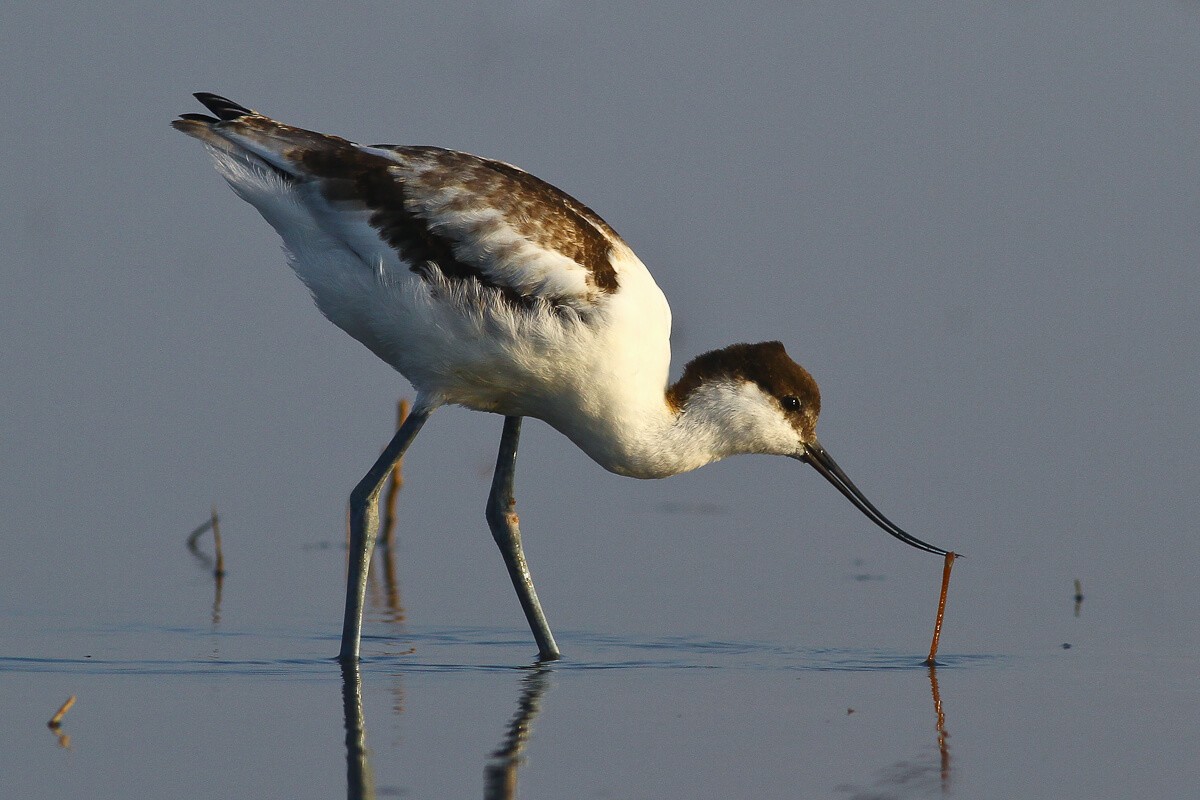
(224, 108)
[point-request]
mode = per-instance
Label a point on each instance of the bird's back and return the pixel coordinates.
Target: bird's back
(478, 281)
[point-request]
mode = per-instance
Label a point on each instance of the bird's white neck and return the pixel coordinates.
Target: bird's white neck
(650, 442)
(744, 398)
(650, 437)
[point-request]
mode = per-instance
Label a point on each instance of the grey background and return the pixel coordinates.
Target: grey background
(974, 223)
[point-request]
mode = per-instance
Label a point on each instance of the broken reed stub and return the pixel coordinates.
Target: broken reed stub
(57, 719)
(941, 612)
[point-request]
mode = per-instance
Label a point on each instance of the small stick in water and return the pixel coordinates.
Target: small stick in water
(394, 483)
(195, 534)
(57, 719)
(219, 570)
(941, 612)
(213, 524)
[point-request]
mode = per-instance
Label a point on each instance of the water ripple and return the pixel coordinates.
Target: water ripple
(460, 650)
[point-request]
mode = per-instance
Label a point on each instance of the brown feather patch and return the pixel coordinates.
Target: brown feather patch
(402, 214)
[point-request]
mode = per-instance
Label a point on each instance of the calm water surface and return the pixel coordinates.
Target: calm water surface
(975, 224)
(217, 709)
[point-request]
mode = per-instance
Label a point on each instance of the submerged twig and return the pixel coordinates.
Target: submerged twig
(213, 523)
(385, 545)
(57, 719)
(941, 612)
(196, 534)
(391, 584)
(219, 570)
(55, 724)
(395, 481)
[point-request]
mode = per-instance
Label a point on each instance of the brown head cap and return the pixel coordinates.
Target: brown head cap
(765, 364)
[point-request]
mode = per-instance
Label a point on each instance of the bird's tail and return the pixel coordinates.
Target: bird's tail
(245, 133)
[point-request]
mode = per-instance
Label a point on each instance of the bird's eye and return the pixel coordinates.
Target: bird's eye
(791, 402)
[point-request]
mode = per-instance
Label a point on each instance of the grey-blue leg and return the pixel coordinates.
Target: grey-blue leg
(502, 519)
(364, 528)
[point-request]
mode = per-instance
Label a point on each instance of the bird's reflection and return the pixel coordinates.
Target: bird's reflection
(500, 771)
(360, 782)
(500, 774)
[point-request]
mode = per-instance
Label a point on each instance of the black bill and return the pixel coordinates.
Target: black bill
(816, 455)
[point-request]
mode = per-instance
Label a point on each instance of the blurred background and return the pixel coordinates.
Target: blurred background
(974, 224)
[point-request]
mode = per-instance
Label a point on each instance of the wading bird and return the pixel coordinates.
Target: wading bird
(491, 289)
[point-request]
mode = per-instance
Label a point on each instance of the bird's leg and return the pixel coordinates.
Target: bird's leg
(502, 519)
(364, 528)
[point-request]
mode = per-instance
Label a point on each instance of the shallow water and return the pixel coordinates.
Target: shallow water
(221, 709)
(665, 718)
(975, 224)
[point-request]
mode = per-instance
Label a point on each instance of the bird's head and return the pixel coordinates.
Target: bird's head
(758, 400)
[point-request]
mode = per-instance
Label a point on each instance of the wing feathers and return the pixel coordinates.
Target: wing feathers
(438, 210)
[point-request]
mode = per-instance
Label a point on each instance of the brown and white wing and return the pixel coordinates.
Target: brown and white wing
(440, 213)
